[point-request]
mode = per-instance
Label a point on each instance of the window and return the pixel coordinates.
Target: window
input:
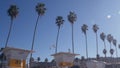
(18, 62)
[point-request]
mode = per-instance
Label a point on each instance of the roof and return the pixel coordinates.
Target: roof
(64, 53)
(18, 49)
(16, 53)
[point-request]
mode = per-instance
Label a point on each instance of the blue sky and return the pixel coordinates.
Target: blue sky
(104, 13)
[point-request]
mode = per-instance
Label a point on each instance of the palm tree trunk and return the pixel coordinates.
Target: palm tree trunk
(105, 47)
(96, 43)
(72, 39)
(57, 39)
(34, 38)
(34, 34)
(11, 24)
(111, 56)
(110, 48)
(86, 46)
(116, 56)
(116, 51)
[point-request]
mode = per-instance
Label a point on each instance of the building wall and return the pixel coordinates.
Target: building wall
(80, 63)
(16, 63)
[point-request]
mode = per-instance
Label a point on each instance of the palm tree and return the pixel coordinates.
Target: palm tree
(119, 46)
(12, 12)
(40, 9)
(115, 44)
(95, 29)
(53, 61)
(72, 18)
(76, 60)
(110, 38)
(46, 62)
(38, 59)
(59, 22)
(82, 58)
(84, 28)
(46, 59)
(103, 36)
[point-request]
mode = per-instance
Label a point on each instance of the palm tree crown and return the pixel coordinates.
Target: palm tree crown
(13, 11)
(109, 38)
(59, 21)
(95, 28)
(72, 17)
(40, 8)
(102, 36)
(84, 28)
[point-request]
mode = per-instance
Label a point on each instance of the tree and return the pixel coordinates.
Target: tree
(110, 38)
(40, 9)
(76, 60)
(95, 29)
(59, 22)
(103, 36)
(119, 46)
(46, 59)
(12, 12)
(38, 59)
(82, 58)
(84, 28)
(53, 61)
(72, 18)
(115, 44)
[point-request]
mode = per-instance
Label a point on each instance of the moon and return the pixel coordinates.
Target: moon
(108, 16)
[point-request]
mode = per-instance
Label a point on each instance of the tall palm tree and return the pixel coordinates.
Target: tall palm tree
(72, 18)
(84, 28)
(115, 44)
(59, 22)
(95, 29)
(40, 9)
(12, 12)
(103, 36)
(110, 38)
